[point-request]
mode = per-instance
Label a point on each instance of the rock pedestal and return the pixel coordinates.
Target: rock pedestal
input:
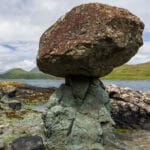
(78, 115)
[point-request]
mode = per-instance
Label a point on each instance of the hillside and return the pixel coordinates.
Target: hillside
(131, 72)
(125, 72)
(35, 70)
(18, 73)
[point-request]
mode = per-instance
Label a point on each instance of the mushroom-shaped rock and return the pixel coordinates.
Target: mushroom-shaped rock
(90, 40)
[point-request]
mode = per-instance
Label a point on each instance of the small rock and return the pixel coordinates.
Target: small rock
(130, 108)
(147, 94)
(10, 91)
(1, 131)
(15, 104)
(147, 101)
(28, 143)
(4, 99)
(126, 97)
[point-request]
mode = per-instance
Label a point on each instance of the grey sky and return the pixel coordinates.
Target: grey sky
(23, 21)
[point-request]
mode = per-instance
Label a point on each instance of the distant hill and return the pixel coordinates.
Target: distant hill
(18, 73)
(35, 70)
(125, 72)
(131, 72)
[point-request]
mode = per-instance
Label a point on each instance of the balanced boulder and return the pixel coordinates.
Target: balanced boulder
(85, 44)
(90, 40)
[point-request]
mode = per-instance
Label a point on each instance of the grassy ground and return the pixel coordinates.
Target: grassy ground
(125, 72)
(131, 72)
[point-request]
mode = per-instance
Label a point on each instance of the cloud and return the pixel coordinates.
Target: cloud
(22, 55)
(27, 19)
(25, 64)
(23, 21)
(18, 31)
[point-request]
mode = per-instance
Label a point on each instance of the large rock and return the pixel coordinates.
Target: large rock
(130, 108)
(90, 40)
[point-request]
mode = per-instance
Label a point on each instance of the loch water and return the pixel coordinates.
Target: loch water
(142, 85)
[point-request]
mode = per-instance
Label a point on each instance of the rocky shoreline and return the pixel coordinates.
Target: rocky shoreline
(130, 108)
(21, 107)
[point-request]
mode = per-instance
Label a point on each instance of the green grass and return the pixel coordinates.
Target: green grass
(130, 72)
(125, 72)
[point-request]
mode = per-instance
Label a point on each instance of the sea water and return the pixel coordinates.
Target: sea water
(143, 85)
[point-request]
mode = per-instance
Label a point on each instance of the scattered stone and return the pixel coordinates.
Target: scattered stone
(130, 108)
(28, 143)
(90, 40)
(147, 101)
(10, 91)
(147, 94)
(15, 104)
(1, 131)
(4, 99)
(147, 97)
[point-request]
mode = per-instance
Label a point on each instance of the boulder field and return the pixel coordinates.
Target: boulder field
(130, 110)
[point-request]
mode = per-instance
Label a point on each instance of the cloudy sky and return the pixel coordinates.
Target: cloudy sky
(23, 21)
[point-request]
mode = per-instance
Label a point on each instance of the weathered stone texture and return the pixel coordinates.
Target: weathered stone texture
(130, 108)
(90, 40)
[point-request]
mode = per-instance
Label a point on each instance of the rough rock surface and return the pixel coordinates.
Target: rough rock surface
(90, 40)
(78, 116)
(28, 143)
(130, 108)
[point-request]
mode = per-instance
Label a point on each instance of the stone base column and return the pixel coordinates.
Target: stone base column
(78, 115)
